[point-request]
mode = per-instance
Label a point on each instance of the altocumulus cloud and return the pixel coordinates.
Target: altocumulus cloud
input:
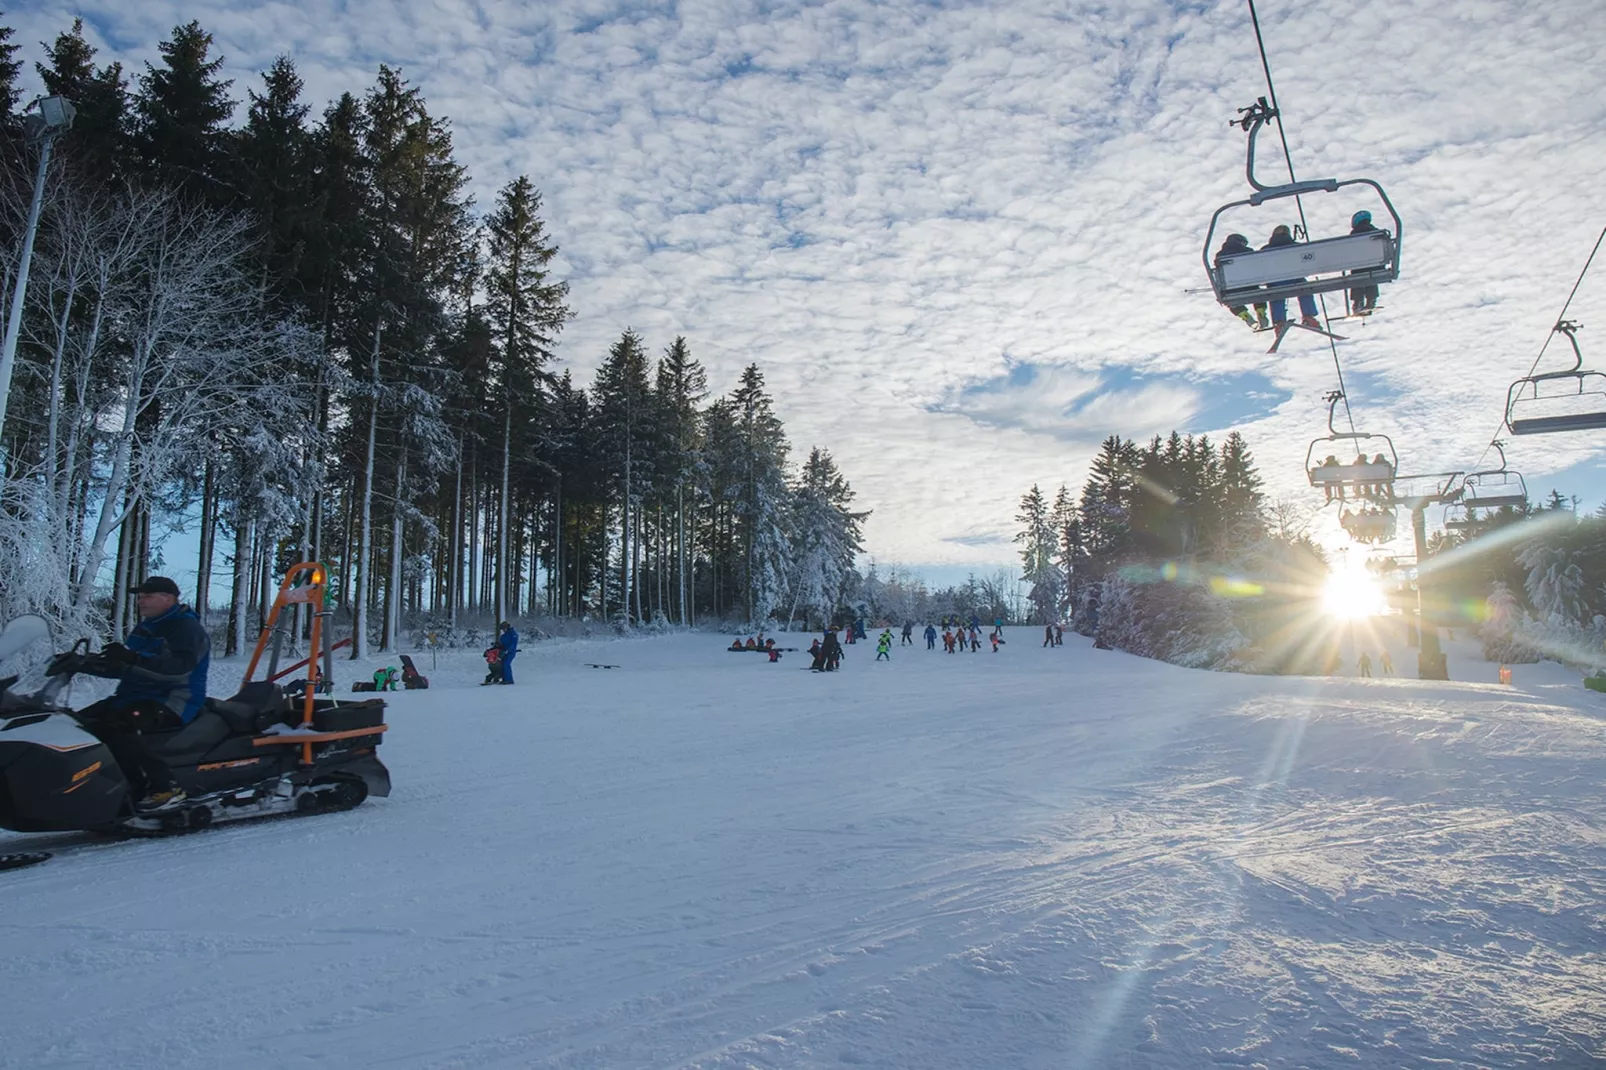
(889, 205)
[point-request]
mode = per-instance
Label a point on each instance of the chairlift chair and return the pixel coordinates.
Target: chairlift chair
(1359, 477)
(1570, 400)
(1373, 527)
(1344, 262)
(1496, 488)
(1459, 517)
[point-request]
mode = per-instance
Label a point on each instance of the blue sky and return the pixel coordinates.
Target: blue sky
(958, 236)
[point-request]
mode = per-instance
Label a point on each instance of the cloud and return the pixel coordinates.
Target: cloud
(889, 205)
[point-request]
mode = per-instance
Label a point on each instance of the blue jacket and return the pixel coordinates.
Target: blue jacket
(509, 642)
(173, 652)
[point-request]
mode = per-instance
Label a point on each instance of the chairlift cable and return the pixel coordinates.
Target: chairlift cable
(1299, 203)
(1548, 336)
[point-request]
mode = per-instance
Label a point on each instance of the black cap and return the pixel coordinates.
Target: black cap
(157, 585)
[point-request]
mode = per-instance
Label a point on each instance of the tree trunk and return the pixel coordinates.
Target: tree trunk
(359, 632)
(393, 601)
(243, 531)
(203, 569)
(502, 560)
(454, 582)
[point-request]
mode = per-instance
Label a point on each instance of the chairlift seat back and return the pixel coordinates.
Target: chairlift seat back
(1493, 500)
(1367, 255)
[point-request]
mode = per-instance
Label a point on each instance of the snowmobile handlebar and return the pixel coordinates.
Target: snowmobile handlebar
(80, 660)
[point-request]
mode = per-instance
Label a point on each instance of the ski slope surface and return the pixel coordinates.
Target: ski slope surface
(1060, 858)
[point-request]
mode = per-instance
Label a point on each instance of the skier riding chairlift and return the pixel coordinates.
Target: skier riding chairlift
(1361, 260)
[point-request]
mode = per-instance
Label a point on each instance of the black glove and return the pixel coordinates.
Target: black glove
(70, 662)
(118, 654)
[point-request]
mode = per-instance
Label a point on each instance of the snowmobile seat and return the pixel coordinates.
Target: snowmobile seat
(194, 739)
(256, 705)
(241, 717)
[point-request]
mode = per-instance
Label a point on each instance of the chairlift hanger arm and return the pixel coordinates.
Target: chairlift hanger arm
(1570, 328)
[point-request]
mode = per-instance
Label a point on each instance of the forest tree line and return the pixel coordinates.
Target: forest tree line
(299, 326)
(1171, 550)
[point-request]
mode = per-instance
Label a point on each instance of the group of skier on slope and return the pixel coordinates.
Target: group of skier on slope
(1362, 299)
(957, 634)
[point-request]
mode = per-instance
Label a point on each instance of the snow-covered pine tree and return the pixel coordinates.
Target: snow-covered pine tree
(1037, 553)
(826, 536)
(762, 503)
(681, 384)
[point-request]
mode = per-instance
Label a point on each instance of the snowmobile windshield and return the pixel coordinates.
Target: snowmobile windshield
(22, 632)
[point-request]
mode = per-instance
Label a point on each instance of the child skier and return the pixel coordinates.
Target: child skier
(883, 646)
(493, 666)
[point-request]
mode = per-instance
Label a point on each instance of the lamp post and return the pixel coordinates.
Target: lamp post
(47, 118)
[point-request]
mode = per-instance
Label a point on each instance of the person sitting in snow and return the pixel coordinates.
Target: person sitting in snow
(736, 644)
(493, 666)
(385, 678)
(751, 644)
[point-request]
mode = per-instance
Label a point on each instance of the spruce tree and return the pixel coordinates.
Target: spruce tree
(525, 311)
(681, 383)
(762, 502)
(275, 170)
(622, 400)
(826, 536)
(10, 68)
(1036, 534)
(98, 147)
(182, 112)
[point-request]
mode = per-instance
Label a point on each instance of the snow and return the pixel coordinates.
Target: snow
(1060, 858)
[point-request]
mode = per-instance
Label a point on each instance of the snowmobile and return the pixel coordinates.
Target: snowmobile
(255, 754)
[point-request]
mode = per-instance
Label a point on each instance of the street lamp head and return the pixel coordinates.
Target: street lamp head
(48, 117)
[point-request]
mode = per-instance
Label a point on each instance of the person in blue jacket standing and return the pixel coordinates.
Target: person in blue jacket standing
(161, 685)
(508, 642)
(931, 637)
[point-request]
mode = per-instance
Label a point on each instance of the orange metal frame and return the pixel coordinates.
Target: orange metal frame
(292, 593)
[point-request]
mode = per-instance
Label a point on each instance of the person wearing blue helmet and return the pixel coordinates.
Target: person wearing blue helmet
(1362, 299)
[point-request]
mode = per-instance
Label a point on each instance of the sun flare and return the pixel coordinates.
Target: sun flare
(1350, 594)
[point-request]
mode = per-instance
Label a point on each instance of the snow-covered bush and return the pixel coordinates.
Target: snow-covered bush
(1170, 616)
(1502, 632)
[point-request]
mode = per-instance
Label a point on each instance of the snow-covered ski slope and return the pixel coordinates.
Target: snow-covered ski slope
(1040, 858)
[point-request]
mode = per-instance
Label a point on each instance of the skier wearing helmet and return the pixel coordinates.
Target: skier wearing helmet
(1362, 299)
(1236, 245)
(1280, 237)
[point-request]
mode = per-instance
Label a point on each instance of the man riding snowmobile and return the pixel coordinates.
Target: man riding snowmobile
(161, 685)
